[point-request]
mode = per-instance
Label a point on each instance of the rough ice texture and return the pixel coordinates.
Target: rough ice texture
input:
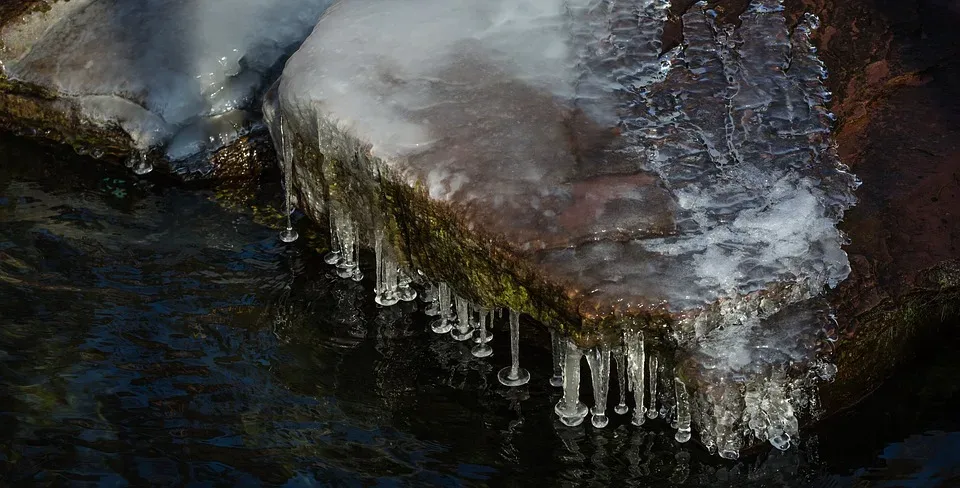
(176, 73)
(700, 182)
(635, 179)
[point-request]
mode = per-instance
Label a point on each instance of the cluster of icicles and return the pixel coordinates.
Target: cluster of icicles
(764, 410)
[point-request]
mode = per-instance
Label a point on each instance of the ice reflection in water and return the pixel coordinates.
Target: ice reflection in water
(148, 336)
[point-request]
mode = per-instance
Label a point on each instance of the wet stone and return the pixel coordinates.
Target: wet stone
(547, 157)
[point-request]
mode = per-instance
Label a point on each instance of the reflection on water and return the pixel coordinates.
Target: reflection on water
(149, 337)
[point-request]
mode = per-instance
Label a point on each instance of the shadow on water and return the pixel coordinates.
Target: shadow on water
(150, 338)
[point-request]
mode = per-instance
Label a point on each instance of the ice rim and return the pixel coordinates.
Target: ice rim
(733, 123)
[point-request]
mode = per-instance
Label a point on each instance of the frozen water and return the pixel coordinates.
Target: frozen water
(598, 359)
(637, 179)
(701, 182)
(180, 73)
(570, 409)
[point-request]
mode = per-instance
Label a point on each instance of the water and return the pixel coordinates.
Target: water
(150, 337)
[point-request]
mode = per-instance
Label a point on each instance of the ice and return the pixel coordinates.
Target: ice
(636, 363)
(287, 235)
(446, 317)
(653, 364)
(347, 240)
(598, 359)
(621, 360)
(683, 412)
(464, 329)
(169, 72)
(698, 184)
(483, 348)
(557, 355)
(514, 375)
(570, 409)
(386, 287)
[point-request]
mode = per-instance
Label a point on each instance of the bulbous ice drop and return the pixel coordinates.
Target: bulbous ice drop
(139, 163)
(683, 411)
(570, 409)
(621, 361)
(463, 331)
(557, 348)
(598, 359)
(514, 375)
(288, 235)
(636, 364)
(652, 411)
(483, 349)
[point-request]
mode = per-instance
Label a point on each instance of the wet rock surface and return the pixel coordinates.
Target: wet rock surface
(171, 82)
(893, 75)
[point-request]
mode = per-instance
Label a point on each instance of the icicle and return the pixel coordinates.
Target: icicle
(405, 292)
(463, 331)
(557, 348)
(346, 236)
(599, 361)
(386, 286)
(139, 163)
(445, 320)
(430, 297)
(683, 412)
(621, 360)
(333, 257)
(570, 409)
(287, 235)
(636, 362)
(484, 334)
(483, 349)
(652, 410)
(514, 375)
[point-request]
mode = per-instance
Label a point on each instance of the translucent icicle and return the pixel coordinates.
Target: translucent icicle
(444, 322)
(386, 286)
(683, 411)
(636, 362)
(570, 409)
(139, 163)
(483, 349)
(349, 245)
(484, 334)
(405, 292)
(287, 234)
(652, 410)
(621, 360)
(333, 257)
(463, 331)
(598, 359)
(430, 297)
(514, 375)
(557, 347)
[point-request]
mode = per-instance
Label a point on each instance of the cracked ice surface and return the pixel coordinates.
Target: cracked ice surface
(701, 181)
(180, 73)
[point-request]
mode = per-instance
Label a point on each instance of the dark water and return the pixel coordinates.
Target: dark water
(148, 337)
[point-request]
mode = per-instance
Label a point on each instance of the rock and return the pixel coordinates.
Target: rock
(170, 81)
(522, 189)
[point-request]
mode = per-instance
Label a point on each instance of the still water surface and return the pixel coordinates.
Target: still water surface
(150, 337)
